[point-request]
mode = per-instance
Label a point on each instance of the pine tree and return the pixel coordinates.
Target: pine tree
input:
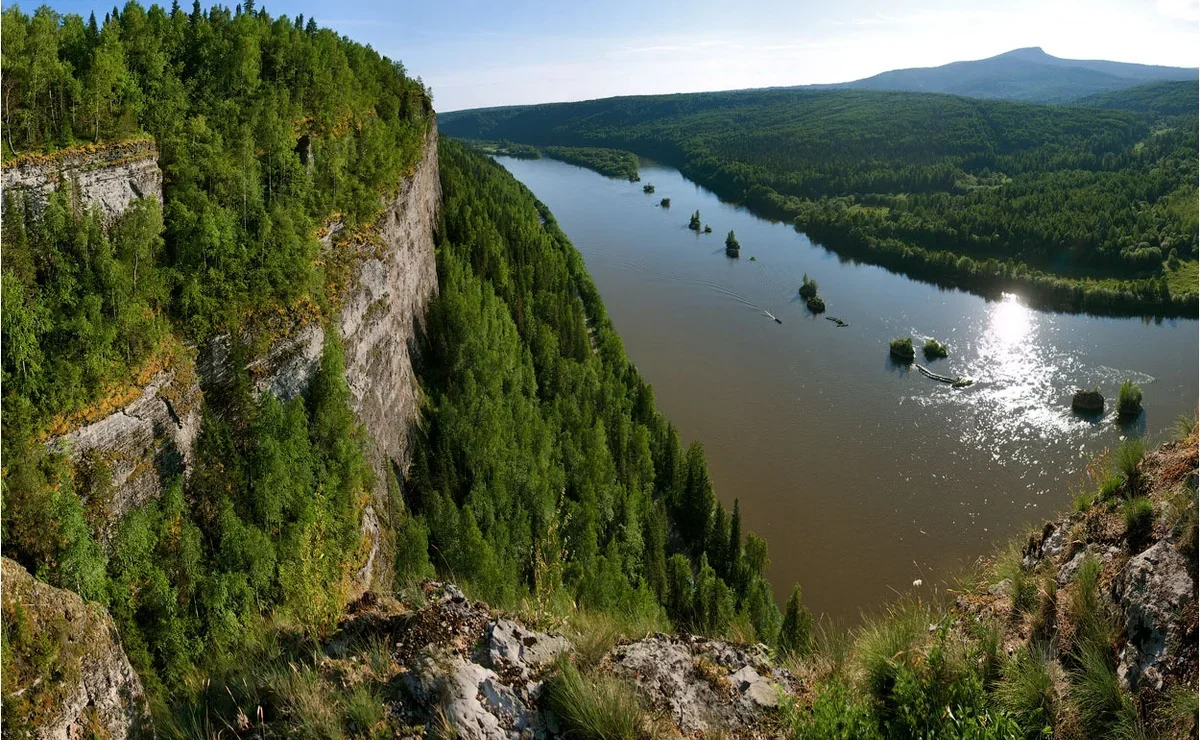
(697, 504)
(795, 636)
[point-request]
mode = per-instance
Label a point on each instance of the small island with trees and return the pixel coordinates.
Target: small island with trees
(1129, 399)
(647, 189)
(732, 248)
(902, 349)
(707, 229)
(694, 222)
(808, 291)
(934, 349)
(664, 203)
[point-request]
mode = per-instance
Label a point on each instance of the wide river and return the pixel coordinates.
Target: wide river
(862, 475)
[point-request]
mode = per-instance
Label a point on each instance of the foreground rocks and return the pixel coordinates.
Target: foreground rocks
(464, 669)
(1148, 587)
(65, 674)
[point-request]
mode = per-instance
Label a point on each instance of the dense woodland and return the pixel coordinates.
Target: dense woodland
(608, 162)
(542, 464)
(269, 521)
(1084, 208)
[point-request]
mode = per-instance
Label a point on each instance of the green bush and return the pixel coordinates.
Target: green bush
(902, 347)
(796, 632)
(836, 714)
(1128, 462)
(808, 288)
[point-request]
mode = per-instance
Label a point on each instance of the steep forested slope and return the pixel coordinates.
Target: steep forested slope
(543, 467)
(265, 129)
(1082, 208)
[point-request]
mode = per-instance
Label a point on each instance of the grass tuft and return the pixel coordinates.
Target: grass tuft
(1026, 689)
(1139, 522)
(1129, 464)
(596, 706)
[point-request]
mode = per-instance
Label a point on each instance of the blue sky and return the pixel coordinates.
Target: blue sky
(478, 54)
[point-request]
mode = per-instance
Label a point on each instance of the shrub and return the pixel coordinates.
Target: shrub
(1129, 399)
(886, 644)
(1096, 691)
(1009, 567)
(935, 349)
(1139, 521)
(808, 289)
(647, 189)
(364, 712)
(836, 714)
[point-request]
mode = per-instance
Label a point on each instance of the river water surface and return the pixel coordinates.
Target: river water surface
(862, 475)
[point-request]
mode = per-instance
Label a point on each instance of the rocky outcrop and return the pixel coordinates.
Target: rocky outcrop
(65, 674)
(704, 686)
(1147, 585)
(147, 441)
(469, 672)
(1155, 589)
(109, 176)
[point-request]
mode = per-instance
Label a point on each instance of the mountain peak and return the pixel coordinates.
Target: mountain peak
(1031, 53)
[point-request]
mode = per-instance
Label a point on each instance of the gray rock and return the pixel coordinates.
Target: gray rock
(150, 438)
(1003, 588)
(512, 646)
(89, 688)
(109, 177)
(702, 685)
(1154, 590)
(474, 699)
(756, 689)
(1066, 573)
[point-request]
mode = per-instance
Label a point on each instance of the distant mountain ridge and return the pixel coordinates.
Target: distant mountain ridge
(1028, 74)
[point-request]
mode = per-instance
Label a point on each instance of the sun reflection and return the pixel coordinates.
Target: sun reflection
(1010, 322)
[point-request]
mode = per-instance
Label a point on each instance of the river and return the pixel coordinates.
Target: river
(863, 475)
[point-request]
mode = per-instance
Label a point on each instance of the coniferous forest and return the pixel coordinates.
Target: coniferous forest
(542, 466)
(543, 479)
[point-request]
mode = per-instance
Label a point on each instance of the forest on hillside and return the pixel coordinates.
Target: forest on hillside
(269, 522)
(1085, 208)
(543, 468)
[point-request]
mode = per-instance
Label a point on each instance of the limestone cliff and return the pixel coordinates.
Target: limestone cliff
(109, 176)
(391, 277)
(65, 674)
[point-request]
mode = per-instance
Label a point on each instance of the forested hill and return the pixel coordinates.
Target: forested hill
(1080, 208)
(1156, 99)
(1024, 74)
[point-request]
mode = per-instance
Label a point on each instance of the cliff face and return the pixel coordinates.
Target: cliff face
(109, 176)
(392, 276)
(65, 674)
(146, 442)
